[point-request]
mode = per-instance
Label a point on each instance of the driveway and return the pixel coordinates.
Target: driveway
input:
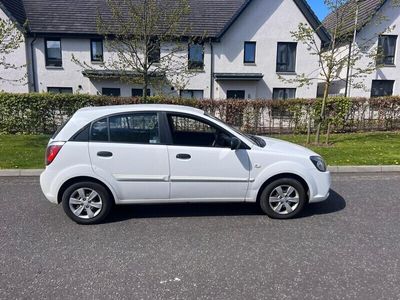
(346, 247)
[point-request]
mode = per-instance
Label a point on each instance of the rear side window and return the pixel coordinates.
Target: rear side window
(99, 132)
(138, 128)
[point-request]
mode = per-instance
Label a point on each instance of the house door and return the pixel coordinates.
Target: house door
(235, 94)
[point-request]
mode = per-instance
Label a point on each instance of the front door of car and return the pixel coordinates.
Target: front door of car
(126, 151)
(202, 165)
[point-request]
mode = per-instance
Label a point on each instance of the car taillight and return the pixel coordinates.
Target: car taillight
(52, 152)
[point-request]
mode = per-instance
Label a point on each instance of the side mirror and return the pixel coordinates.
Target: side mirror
(235, 143)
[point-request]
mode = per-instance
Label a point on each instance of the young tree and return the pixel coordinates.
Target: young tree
(10, 40)
(339, 59)
(147, 40)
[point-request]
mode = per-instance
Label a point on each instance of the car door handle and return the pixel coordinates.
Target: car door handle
(104, 154)
(183, 156)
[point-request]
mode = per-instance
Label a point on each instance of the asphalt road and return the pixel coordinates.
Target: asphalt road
(346, 247)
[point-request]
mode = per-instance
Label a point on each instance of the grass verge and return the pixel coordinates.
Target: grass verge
(372, 148)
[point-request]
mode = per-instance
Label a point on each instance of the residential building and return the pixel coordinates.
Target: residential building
(248, 46)
(377, 24)
(14, 79)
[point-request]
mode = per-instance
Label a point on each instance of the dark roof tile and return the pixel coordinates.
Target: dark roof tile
(207, 17)
(344, 17)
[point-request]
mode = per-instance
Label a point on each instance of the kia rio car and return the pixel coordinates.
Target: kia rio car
(135, 154)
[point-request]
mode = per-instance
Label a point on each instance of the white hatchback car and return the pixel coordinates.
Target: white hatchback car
(170, 154)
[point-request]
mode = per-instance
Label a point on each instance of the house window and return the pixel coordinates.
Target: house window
(59, 90)
(235, 94)
(386, 50)
(286, 57)
(139, 92)
(382, 88)
(192, 94)
(249, 52)
(154, 51)
(96, 50)
(196, 56)
(115, 92)
(282, 94)
(53, 52)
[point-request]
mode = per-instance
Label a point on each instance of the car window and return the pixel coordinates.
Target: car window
(137, 128)
(99, 132)
(188, 131)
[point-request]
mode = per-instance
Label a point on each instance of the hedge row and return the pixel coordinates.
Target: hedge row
(43, 113)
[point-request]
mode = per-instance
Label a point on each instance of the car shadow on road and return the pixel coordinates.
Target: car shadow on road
(334, 203)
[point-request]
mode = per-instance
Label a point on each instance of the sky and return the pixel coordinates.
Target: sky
(319, 8)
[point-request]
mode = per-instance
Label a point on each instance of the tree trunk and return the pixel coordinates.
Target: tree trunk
(322, 115)
(309, 127)
(328, 133)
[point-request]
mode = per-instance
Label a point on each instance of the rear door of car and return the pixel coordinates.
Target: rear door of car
(128, 151)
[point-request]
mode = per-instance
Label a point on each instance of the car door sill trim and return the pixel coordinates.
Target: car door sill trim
(140, 178)
(207, 179)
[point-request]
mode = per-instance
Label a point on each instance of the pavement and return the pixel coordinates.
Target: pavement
(344, 248)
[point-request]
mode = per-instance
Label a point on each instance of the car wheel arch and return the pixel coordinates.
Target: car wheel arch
(284, 175)
(77, 179)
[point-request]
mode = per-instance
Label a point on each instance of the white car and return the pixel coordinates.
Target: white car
(134, 154)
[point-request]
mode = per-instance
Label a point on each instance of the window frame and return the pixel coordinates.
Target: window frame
(59, 89)
(161, 130)
(150, 54)
(277, 57)
(91, 50)
(168, 126)
(48, 62)
(190, 67)
(148, 92)
(382, 60)
(382, 80)
(102, 91)
(244, 52)
(192, 91)
(283, 113)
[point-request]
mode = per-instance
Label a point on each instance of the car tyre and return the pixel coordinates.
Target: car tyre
(283, 198)
(87, 202)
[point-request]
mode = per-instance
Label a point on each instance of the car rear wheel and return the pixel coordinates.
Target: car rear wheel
(86, 202)
(283, 198)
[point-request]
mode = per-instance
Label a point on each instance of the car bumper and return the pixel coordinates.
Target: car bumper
(46, 179)
(320, 191)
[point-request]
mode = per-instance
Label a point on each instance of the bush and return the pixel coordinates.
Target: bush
(43, 113)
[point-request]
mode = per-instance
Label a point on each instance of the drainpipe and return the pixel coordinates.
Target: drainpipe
(212, 71)
(33, 66)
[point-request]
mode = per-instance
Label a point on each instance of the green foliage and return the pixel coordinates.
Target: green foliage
(43, 113)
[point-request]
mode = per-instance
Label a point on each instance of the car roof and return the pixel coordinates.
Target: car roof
(111, 109)
(88, 114)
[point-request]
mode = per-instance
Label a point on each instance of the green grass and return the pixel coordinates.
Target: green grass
(374, 148)
(22, 151)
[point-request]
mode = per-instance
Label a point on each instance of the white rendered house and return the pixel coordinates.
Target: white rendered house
(248, 46)
(378, 27)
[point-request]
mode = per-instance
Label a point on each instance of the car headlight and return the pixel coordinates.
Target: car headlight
(319, 163)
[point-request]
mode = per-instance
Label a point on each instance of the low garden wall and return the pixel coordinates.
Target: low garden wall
(43, 113)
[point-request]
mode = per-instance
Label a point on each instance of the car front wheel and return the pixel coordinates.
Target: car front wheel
(86, 202)
(283, 198)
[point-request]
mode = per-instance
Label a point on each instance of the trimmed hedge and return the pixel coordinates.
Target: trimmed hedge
(43, 113)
